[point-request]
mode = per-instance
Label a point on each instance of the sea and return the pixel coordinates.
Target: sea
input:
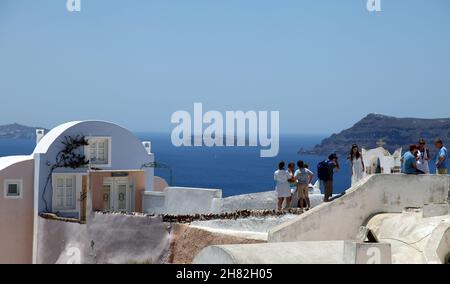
(235, 170)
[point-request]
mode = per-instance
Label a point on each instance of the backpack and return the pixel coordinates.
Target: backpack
(323, 171)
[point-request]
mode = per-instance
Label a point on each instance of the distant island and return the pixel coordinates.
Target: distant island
(380, 130)
(18, 131)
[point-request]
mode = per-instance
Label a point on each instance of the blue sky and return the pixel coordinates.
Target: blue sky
(324, 64)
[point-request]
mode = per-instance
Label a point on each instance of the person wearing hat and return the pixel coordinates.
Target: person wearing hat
(423, 156)
(325, 171)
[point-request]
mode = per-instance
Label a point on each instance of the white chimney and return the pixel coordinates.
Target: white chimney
(147, 146)
(39, 134)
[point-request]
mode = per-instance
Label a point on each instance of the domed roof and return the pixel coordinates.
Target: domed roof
(11, 160)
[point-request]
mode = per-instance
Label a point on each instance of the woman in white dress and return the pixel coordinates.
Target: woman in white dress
(356, 164)
(282, 179)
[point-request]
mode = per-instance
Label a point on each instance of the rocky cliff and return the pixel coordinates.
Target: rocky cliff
(392, 132)
(17, 131)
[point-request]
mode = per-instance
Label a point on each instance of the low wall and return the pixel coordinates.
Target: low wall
(326, 252)
(107, 238)
(257, 201)
(250, 224)
(341, 218)
(153, 202)
(253, 201)
(181, 201)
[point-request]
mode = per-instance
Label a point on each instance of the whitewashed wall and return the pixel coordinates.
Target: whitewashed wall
(340, 219)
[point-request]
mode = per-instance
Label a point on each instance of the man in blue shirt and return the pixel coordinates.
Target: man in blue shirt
(441, 158)
(409, 161)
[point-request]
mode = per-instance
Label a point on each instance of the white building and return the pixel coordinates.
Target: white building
(379, 160)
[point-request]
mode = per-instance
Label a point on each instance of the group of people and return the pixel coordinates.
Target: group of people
(416, 160)
(291, 181)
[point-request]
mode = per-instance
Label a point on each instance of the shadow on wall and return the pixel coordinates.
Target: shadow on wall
(107, 238)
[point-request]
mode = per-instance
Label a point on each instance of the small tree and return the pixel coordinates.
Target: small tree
(68, 157)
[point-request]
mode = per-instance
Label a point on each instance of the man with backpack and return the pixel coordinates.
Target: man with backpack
(325, 172)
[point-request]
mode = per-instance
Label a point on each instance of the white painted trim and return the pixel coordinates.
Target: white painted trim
(37, 161)
(87, 151)
(112, 179)
(78, 185)
(19, 183)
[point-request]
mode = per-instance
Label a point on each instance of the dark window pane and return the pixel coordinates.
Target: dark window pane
(13, 189)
